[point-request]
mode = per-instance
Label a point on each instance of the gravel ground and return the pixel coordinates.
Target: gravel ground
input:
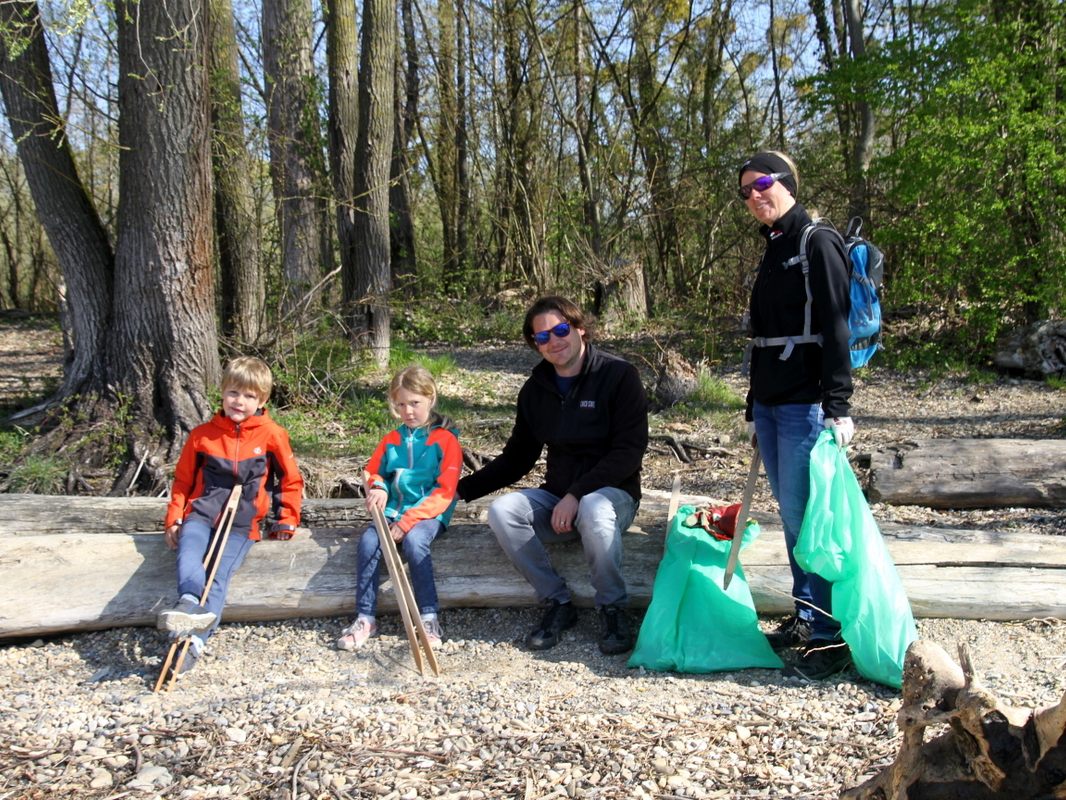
(272, 711)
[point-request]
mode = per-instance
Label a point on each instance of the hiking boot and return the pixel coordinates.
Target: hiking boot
(617, 635)
(793, 631)
(433, 631)
(355, 635)
(187, 617)
(557, 619)
(822, 658)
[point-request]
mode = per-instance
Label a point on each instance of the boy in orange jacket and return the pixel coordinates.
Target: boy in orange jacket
(240, 445)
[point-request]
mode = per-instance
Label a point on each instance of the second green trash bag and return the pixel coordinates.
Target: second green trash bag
(692, 624)
(841, 542)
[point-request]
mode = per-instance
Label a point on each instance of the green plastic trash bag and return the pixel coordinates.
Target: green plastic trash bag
(841, 542)
(693, 624)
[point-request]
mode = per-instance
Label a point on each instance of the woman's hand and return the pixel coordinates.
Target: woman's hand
(843, 429)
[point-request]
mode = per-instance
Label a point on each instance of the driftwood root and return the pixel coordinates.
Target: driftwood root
(988, 751)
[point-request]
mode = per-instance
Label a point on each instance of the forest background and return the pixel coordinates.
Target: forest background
(330, 185)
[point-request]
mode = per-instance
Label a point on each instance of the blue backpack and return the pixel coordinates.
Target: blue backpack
(867, 272)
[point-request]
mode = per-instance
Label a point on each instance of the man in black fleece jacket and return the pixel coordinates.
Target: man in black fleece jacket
(590, 409)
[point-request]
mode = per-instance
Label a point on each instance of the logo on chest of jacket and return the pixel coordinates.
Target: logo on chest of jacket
(587, 404)
(257, 451)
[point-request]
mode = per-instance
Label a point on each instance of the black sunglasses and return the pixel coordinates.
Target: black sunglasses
(561, 331)
(761, 184)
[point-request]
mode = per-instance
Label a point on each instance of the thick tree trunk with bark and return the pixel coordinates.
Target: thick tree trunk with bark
(371, 323)
(988, 750)
(342, 60)
(69, 218)
(295, 152)
(402, 231)
(242, 286)
(163, 347)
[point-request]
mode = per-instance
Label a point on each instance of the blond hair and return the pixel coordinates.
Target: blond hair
(248, 373)
(416, 379)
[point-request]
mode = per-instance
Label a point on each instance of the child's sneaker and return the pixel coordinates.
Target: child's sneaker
(433, 630)
(355, 635)
(192, 655)
(187, 617)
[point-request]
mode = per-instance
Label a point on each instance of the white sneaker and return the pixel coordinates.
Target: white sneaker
(355, 635)
(433, 630)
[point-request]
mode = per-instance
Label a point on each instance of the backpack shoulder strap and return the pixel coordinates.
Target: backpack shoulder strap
(801, 259)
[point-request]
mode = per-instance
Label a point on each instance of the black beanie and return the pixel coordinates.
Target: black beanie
(769, 163)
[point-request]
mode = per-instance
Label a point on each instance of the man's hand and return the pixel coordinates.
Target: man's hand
(398, 535)
(564, 513)
(171, 536)
(752, 438)
(376, 498)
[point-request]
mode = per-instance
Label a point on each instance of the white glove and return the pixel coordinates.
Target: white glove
(843, 429)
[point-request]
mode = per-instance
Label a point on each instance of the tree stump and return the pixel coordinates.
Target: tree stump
(990, 751)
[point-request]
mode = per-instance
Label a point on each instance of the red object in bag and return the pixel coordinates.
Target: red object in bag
(719, 521)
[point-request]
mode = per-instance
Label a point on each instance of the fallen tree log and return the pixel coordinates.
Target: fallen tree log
(989, 750)
(82, 580)
(969, 473)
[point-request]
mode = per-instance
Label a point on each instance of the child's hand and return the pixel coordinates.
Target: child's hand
(397, 534)
(281, 533)
(376, 499)
(171, 536)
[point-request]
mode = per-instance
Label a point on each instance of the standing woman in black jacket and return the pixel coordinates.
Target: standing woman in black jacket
(799, 384)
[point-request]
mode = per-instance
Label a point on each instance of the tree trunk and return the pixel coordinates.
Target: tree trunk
(862, 147)
(163, 349)
(243, 293)
(295, 152)
(371, 319)
(63, 206)
(520, 223)
(342, 60)
(402, 229)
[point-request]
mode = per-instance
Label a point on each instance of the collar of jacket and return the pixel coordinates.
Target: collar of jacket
(544, 372)
(790, 224)
(262, 417)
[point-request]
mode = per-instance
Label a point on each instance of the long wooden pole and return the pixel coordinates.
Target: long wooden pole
(212, 556)
(417, 637)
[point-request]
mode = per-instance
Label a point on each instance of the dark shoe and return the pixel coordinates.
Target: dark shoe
(617, 636)
(822, 658)
(187, 617)
(557, 619)
(791, 632)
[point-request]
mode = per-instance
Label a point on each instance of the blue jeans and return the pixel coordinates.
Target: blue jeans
(522, 523)
(415, 547)
(786, 435)
(192, 577)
